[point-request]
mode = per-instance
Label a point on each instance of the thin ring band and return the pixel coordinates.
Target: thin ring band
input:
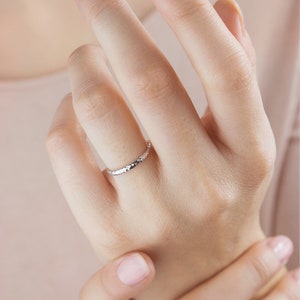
(132, 165)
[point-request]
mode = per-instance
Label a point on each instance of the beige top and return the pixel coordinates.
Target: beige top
(43, 254)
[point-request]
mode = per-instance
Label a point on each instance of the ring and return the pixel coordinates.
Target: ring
(132, 165)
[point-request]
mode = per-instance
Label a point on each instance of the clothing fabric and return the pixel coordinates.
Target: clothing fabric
(43, 253)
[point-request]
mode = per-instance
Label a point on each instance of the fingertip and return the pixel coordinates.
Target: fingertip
(123, 278)
(282, 247)
(231, 14)
(272, 256)
(135, 269)
(150, 265)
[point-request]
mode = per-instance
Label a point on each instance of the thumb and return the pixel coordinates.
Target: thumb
(121, 279)
(231, 14)
(254, 273)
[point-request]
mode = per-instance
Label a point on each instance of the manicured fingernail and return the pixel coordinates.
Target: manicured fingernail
(282, 248)
(296, 276)
(133, 270)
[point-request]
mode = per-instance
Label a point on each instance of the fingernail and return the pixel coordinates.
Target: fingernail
(240, 14)
(133, 270)
(282, 248)
(296, 276)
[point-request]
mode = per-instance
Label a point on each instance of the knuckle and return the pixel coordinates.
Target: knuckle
(237, 75)
(265, 163)
(223, 192)
(60, 132)
(95, 102)
(240, 79)
(257, 163)
(155, 82)
(261, 163)
(226, 192)
(82, 51)
(222, 202)
(94, 10)
(261, 267)
(185, 10)
(57, 137)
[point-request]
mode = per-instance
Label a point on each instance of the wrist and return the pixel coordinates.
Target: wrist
(179, 273)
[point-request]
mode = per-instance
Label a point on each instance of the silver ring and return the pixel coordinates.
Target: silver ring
(132, 165)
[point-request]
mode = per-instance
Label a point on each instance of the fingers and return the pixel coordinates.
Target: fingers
(150, 83)
(131, 274)
(232, 16)
(288, 288)
(85, 188)
(122, 279)
(224, 68)
(248, 274)
(102, 112)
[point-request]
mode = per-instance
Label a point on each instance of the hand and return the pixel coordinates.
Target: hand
(193, 205)
(239, 281)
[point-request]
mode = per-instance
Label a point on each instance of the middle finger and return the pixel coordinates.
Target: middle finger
(148, 80)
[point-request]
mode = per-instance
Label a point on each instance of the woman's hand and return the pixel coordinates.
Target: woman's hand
(124, 279)
(193, 205)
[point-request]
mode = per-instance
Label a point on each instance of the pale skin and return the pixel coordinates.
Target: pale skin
(20, 28)
(59, 62)
(252, 270)
(237, 154)
(153, 208)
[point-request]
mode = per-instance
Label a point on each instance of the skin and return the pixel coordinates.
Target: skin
(24, 66)
(252, 270)
(18, 30)
(228, 180)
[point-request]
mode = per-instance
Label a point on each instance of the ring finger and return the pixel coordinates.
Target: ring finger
(102, 112)
(148, 80)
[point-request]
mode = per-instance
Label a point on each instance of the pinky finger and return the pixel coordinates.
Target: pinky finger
(288, 288)
(121, 279)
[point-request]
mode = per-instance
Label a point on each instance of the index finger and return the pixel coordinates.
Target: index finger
(288, 288)
(251, 272)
